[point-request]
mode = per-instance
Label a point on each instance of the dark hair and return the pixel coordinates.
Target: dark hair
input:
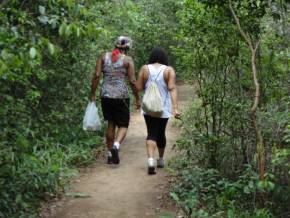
(158, 55)
(124, 50)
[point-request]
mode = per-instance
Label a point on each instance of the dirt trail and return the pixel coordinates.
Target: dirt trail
(123, 191)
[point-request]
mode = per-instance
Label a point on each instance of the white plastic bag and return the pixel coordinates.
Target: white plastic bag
(152, 101)
(91, 120)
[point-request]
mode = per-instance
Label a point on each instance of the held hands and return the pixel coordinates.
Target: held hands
(138, 104)
(92, 97)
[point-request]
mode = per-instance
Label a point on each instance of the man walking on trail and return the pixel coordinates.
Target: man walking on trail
(116, 67)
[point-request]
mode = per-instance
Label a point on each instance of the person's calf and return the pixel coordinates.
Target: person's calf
(121, 134)
(161, 150)
(109, 140)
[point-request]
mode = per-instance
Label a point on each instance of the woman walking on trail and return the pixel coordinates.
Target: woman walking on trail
(116, 67)
(163, 75)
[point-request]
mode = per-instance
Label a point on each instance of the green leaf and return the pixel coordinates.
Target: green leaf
(246, 190)
(78, 32)
(68, 30)
(53, 21)
(270, 186)
(70, 3)
(51, 48)
(174, 196)
(32, 52)
(41, 9)
(62, 29)
(166, 216)
(43, 19)
(78, 195)
(18, 198)
(5, 54)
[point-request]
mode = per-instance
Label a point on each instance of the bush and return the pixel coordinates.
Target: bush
(28, 178)
(207, 193)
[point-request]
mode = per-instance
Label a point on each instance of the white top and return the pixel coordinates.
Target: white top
(156, 74)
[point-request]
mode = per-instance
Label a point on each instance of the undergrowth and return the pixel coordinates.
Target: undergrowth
(26, 179)
(203, 190)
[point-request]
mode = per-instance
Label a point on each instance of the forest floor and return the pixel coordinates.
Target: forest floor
(125, 190)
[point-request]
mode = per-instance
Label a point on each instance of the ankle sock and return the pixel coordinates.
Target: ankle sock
(117, 145)
(151, 162)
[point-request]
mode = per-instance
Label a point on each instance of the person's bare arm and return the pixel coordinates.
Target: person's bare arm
(132, 80)
(171, 84)
(96, 77)
(142, 78)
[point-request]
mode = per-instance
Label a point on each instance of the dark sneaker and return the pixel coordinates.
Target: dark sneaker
(109, 160)
(160, 163)
(115, 155)
(151, 170)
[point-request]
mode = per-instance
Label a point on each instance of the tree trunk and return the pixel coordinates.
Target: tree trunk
(260, 147)
(258, 133)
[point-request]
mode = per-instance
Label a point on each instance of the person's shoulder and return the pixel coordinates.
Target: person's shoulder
(144, 72)
(102, 55)
(144, 67)
(169, 69)
(128, 58)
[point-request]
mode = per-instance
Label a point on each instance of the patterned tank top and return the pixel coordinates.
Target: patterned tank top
(114, 80)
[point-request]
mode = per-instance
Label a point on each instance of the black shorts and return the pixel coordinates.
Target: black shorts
(156, 130)
(117, 111)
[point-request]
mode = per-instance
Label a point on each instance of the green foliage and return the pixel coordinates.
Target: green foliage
(47, 56)
(46, 61)
(26, 178)
(218, 135)
(206, 193)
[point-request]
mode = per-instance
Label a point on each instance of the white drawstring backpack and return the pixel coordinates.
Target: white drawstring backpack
(152, 101)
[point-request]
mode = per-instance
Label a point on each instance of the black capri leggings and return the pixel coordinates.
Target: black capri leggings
(156, 130)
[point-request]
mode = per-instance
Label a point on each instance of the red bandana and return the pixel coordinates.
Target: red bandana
(115, 54)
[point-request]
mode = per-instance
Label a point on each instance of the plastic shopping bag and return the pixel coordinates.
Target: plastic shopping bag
(91, 120)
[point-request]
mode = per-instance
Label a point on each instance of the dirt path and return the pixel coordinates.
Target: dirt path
(126, 190)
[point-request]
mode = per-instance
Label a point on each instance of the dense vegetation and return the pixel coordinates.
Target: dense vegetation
(47, 56)
(236, 153)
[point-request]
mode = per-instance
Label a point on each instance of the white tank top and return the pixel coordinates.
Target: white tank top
(156, 74)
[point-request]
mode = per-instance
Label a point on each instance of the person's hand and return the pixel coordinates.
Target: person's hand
(93, 97)
(138, 104)
(176, 113)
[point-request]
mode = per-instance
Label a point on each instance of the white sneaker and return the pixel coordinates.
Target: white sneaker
(160, 163)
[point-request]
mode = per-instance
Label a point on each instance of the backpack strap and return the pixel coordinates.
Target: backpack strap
(157, 74)
(162, 69)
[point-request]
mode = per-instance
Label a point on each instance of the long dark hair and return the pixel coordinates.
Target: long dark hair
(158, 55)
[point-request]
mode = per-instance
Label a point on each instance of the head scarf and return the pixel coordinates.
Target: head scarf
(122, 42)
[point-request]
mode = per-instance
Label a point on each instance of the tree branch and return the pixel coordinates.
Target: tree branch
(259, 137)
(244, 35)
(255, 78)
(269, 3)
